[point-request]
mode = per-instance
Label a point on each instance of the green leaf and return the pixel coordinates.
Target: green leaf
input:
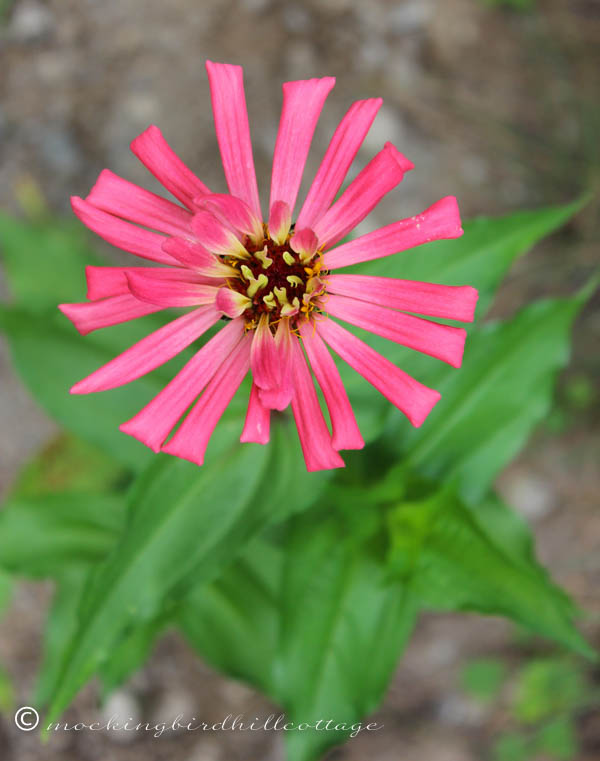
(185, 524)
(557, 740)
(233, 622)
(483, 678)
(50, 357)
(489, 407)
(69, 464)
(132, 651)
(548, 687)
(44, 261)
(511, 746)
(344, 626)
(482, 256)
(41, 536)
(61, 624)
(457, 565)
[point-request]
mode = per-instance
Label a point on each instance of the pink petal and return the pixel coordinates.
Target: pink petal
(279, 397)
(280, 221)
(149, 353)
(143, 243)
(258, 420)
(112, 281)
(215, 236)
(380, 175)
(442, 220)
(315, 440)
(340, 154)
(117, 196)
(171, 293)
(441, 341)
(343, 423)
(233, 133)
(195, 257)
(264, 357)
(158, 157)
(93, 315)
(153, 423)
(191, 438)
(452, 302)
(233, 212)
(411, 397)
(304, 242)
(302, 105)
(232, 303)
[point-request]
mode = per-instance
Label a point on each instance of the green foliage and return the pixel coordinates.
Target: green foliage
(547, 687)
(544, 698)
(69, 464)
(517, 5)
(483, 678)
(481, 258)
(511, 746)
(557, 740)
(312, 607)
(184, 525)
(490, 407)
(458, 565)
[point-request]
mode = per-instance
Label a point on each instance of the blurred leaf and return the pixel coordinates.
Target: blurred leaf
(233, 622)
(547, 688)
(6, 586)
(483, 678)
(457, 565)
(68, 464)
(557, 740)
(38, 342)
(344, 625)
(511, 746)
(132, 652)
(43, 535)
(44, 261)
(185, 524)
(61, 624)
(490, 407)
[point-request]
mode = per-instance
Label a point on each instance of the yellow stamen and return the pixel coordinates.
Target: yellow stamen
(257, 284)
(265, 260)
(294, 280)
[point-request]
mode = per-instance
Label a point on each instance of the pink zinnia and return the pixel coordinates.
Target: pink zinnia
(271, 280)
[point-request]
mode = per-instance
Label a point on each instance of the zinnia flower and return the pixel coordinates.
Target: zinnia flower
(269, 278)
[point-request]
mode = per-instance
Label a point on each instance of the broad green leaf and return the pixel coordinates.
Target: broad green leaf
(344, 626)
(489, 408)
(233, 622)
(42, 535)
(185, 524)
(457, 565)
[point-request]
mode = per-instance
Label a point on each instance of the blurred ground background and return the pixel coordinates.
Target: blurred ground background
(496, 103)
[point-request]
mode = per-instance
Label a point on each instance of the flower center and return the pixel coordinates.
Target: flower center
(277, 281)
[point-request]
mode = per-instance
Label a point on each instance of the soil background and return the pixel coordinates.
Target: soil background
(495, 103)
